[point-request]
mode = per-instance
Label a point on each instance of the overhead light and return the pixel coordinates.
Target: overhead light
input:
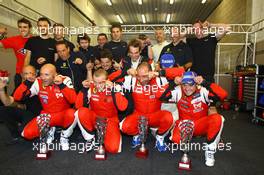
(108, 2)
(119, 19)
(168, 18)
(140, 2)
(143, 18)
(171, 2)
(203, 1)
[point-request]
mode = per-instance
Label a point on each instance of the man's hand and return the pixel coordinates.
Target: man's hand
(89, 66)
(153, 74)
(41, 60)
(58, 80)
(177, 80)
(206, 24)
(109, 84)
(132, 72)
(198, 80)
(117, 65)
(3, 30)
(78, 61)
(86, 83)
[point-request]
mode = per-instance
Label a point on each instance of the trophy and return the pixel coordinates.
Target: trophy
(186, 129)
(142, 152)
(43, 122)
(101, 123)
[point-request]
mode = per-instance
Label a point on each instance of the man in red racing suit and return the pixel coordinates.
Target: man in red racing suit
(146, 90)
(193, 102)
(104, 100)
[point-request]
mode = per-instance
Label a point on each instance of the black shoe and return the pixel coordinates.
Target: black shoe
(14, 140)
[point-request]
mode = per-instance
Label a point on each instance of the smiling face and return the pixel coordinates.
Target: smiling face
(188, 89)
(47, 74)
(24, 29)
(134, 53)
(58, 33)
(106, 63)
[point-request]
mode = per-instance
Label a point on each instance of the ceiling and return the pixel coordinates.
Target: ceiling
(182, 11)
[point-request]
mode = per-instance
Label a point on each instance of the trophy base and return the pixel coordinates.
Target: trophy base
(43, 156)
(100, 156)
(142, 154)
(185, 165)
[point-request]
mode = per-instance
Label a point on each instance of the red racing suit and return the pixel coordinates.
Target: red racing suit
(56, 100)
(195, 107)
(147, 103)
(102, 104)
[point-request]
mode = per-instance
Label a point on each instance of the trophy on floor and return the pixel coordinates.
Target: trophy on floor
(186, 129)
(142, 152)
(101, 123)
(43, 122)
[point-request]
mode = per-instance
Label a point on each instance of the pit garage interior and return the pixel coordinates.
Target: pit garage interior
(239, 69)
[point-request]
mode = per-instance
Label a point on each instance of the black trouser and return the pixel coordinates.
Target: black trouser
(15, 119)
(17, 80)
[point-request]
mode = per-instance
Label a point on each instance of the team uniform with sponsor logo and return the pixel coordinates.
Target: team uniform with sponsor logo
(147, 103)
(102, 104)
(195, 108)
(56, 100)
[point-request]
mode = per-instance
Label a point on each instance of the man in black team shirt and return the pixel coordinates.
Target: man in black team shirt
(203, 47)
(90, 52)
(58, 32)
(117, 46)
(40, 49)
(177, 53)
(70, 64)
(17, 115)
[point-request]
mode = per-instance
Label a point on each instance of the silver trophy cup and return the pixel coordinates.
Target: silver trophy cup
(43, 122)
(101, 124)
(142, 130)
(186, 129)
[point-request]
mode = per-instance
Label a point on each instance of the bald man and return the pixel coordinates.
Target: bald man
(146, 90)
(56, 95)
(16, 114)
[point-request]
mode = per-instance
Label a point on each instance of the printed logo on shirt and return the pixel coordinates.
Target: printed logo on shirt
(22, 51)
(114, 48)
(167, 60)
(50, 48)
(44, 99)
(58, 95)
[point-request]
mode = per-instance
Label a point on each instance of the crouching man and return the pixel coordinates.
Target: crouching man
(193, 97)
(103, 99)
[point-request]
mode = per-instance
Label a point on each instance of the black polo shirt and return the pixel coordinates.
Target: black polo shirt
(203, 54)
(173, 55)
(91, 53)
(40, 47)
(118, 49)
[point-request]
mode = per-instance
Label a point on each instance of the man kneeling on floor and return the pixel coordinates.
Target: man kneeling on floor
(56, 96)
(193, 98)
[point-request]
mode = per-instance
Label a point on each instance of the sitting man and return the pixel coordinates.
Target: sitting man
(193, 103)
(104, 100)
(56, 96)
(146, 90)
